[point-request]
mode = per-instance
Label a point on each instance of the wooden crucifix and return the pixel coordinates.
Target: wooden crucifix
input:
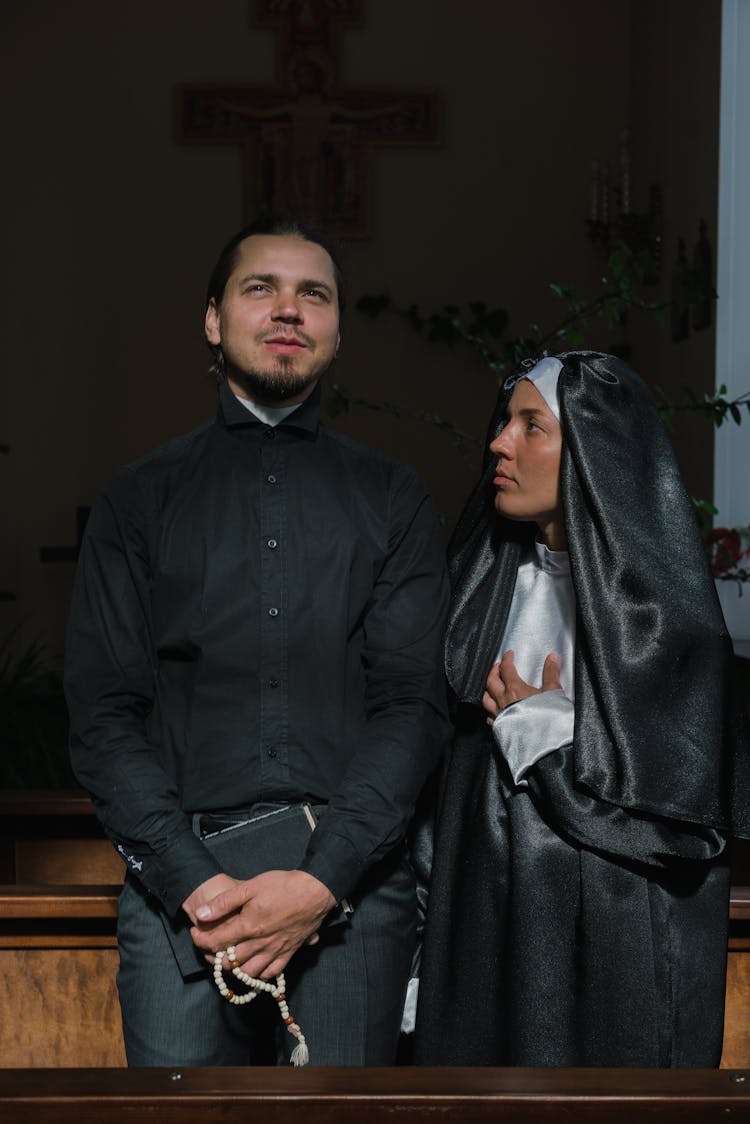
(307, 140)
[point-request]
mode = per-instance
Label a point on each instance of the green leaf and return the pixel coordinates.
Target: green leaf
(373, 304)
(414, 317)
(336, 401)
(441, 328)
(496, 322)
(706, 505)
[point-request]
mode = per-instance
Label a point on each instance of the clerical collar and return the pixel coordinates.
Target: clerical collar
(270, 415)
(234, 411)
(552, 561)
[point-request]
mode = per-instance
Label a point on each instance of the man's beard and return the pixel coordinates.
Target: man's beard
(276, 384)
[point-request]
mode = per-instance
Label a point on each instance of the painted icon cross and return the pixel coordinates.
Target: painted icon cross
(307, 140)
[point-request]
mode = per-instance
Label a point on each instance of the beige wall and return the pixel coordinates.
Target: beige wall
(113, 226)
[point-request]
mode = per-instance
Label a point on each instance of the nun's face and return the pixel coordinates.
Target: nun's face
(527, 479)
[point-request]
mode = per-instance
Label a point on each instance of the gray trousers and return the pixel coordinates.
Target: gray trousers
(346, 992)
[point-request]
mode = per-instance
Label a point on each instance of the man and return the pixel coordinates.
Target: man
(256, 620)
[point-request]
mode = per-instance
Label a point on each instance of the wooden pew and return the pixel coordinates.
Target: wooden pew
(373, 1096)
(58, 954)
(58, 951)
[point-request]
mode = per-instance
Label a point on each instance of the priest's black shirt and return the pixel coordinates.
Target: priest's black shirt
(257, 616)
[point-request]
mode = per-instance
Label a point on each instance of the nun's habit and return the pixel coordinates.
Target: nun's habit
(578, 913)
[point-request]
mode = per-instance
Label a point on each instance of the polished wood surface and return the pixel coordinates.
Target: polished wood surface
(57, 933)
(739, 904)
(58, 1006)
(61, 861)
(45, 802)
(52, 902)
(373, 1096)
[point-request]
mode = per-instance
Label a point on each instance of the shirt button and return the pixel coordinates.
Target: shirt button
(271, 478)
(272, 753)
(273, 612)
(269, 433)
(273, 682)
(272, 544)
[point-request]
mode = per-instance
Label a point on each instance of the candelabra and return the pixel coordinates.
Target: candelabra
(612, 220)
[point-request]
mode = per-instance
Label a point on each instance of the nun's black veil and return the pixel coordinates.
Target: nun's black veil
(582, 919)
(657, 725)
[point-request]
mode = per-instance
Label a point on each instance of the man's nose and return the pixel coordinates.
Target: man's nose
(286, 306)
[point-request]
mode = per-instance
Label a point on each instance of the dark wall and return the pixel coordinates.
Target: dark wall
(113, 225)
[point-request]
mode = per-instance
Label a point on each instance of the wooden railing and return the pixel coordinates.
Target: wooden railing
(374, 1096)
(58, 955)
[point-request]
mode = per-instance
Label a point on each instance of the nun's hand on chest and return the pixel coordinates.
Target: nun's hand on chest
(505, 686)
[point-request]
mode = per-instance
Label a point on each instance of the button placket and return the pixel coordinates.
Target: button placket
(274, 601)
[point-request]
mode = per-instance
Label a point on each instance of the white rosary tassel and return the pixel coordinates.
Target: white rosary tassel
(300, 1053)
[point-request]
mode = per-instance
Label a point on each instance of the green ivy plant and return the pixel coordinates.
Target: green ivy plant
(485, 330)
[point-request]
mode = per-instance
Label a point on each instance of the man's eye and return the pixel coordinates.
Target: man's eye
(317, 293)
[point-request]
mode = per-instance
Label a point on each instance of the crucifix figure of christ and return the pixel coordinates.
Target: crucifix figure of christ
(308, 141)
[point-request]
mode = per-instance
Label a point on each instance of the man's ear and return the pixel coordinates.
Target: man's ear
(213, 323)
(338, 345)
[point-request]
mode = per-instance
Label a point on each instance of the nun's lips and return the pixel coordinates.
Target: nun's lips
(502, 478)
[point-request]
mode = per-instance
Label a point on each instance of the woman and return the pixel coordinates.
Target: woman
(579, 898)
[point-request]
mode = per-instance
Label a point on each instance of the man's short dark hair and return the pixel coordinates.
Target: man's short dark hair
(283, 225)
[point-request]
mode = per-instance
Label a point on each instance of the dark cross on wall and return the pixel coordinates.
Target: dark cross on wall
(307, 140)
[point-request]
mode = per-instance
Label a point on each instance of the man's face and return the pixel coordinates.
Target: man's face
(528, 448)
(278, 320)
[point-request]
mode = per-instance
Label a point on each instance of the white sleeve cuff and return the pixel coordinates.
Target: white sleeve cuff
(530, 729)
(409, 1017)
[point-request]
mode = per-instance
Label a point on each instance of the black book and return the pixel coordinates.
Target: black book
(245, 846)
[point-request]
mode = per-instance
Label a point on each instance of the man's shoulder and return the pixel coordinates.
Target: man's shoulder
(172, 452)
(364, 459)
(150, 472)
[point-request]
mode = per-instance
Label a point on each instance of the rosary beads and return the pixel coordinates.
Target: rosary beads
(300, 1053)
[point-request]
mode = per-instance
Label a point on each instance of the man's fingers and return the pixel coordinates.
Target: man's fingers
(224, 903)
(221, 935)
(264, 965)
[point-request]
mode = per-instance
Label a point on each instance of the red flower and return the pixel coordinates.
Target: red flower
(724, 549)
